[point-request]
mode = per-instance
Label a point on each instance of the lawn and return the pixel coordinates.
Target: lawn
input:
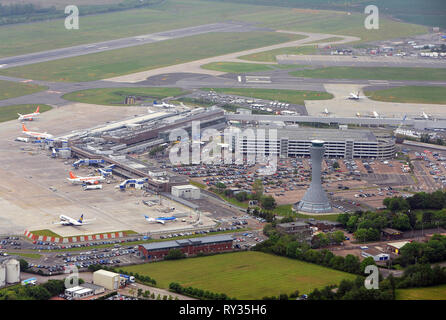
(270, 56)
(25, 255)
(146, 57)
(116, 96)
(240, 67)
(426, 293)
(244, 275)
(289, 96)
(49, 233)
(9, 89)
(10, 112)
(286, 211)
(374, 73)
(410, 94)
(174, 14)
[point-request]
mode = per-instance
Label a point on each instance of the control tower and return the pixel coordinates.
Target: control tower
(315, 199)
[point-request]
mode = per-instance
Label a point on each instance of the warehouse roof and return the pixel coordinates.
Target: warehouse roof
(106, 273)
(184, 242)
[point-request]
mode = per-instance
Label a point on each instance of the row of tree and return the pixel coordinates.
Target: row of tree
(420, 200)
(269, 216)
(423, 252)
(197, 293)
(39, 292)
(291, 247)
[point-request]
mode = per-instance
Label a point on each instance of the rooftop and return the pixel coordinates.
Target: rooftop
(184, 242)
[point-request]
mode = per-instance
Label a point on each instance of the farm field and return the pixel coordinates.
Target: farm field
(9, 89)
(244, 275)
(427, 293)
(10, 112)
(116, 96)
(146, 57)
(373, 73)
(289, 96)
(410, 94)
(240, 67)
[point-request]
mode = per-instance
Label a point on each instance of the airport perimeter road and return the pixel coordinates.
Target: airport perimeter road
(74, 51)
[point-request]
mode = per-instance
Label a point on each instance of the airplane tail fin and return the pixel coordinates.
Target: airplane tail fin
(72, 176)
(37, 110)
(81, 219)
(19, 114)
(24, 128)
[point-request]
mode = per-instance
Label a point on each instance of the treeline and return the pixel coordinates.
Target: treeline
(366, 226)
(355, 290)
(141, 278)
(291, 247)
(39, 292)
(419, 275)
(269, 216)
(198, 293)
(423, 252)
(25, 12)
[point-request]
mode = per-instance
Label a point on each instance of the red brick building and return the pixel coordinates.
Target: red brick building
(193, 246)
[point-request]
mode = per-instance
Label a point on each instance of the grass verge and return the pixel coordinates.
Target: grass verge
(410, 94)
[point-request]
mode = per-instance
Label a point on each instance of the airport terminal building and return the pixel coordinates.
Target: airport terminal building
(339, 143)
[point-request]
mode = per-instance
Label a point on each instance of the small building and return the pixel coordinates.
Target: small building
(300, 228)
(108, 280)
(96, 289)
(193, 246)
(82, 293)
(324, 225)
(391, 234)
(186, 192)
(395, 247)
(377, 255)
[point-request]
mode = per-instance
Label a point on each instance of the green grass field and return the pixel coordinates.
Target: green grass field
(49, 233)
(375, 73)
(25, 255)
(10, 112)
(145, 57)
(244, 275)
(290, 96)
(410, 94)
(286, 211)
(173, 14)
(426, 293)
(116, 96)
(9, 89)
(240, 67)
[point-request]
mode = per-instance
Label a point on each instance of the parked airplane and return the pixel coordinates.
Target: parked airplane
(37, 135)
(326, 112)
(29, 116)
(161, 220)
(426, 116)
(163, 104)
(84, 180)
(355, 96)
(67, 221)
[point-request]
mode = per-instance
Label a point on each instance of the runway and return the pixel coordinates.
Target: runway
(84, 49)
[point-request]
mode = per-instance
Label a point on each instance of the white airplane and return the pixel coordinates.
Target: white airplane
(355, 96)
(375, 114)
(67, 221)
(37, 135)
(29, 116)
(163, 104)
(84, 180)
(426, 116)
(326, 112)
(161, 220)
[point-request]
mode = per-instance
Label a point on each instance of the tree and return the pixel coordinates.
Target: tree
(366, 262)
(351, 264)
(268, 202)
(336, 165)
(139, 292)
(23, 264)
(257, 189)
(337, 236)
(175, 254)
